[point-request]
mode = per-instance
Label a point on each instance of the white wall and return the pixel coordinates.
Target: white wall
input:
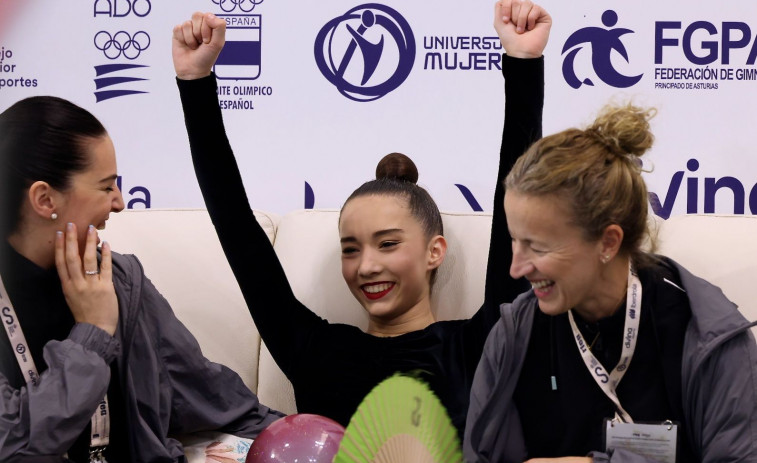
(448, 121)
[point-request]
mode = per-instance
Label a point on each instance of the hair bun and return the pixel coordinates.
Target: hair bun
(624, 129)
(397, 166)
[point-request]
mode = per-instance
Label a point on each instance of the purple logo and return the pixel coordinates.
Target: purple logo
(245, 6)
(114, 46)
(122, 44)
(121, 8)
(240, 57)
(105, 79)
(603, 42)
(711, 186)
(386, 48)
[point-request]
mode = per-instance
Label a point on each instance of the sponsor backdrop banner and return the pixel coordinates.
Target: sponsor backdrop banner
(315, 93)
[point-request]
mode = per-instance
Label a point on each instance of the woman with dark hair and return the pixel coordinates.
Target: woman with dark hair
(615, 353)
(94, 362)
(391, 239)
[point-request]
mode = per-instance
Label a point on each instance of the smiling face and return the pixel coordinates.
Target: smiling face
(387, 258)
(564, 269)
(93, 193)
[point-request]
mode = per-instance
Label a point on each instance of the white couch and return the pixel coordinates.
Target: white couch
(181, 255)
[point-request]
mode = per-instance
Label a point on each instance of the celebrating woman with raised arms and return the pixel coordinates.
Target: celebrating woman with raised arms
(391, 235)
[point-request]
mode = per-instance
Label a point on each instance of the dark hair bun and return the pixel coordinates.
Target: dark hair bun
(397, 166)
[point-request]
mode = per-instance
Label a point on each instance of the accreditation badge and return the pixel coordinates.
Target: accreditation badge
(653, 441)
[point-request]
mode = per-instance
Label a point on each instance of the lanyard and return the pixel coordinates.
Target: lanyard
(100, 436)
(609, 382)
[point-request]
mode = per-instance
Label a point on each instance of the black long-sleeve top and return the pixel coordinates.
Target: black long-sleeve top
(333, 366)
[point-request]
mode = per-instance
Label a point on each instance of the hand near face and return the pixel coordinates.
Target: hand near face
(196, 45)
(523, 27)
(90, 294)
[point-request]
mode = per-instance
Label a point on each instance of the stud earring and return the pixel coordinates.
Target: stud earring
(54, 216)
(605, 259)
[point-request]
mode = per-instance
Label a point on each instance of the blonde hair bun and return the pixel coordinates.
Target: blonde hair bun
(624, 129)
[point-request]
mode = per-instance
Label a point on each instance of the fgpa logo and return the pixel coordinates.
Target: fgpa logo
(367, 52)
(603, 41)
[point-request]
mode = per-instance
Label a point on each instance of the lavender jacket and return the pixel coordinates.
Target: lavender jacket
(170, 388)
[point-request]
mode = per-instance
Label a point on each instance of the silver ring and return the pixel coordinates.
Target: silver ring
(91, 272)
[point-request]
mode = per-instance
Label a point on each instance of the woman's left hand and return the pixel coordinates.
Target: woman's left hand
(89, 290)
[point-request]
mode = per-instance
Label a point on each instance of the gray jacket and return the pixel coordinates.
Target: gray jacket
(170, 388)
(719, 383)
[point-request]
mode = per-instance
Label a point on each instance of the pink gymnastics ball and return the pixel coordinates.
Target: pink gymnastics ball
(301, 438)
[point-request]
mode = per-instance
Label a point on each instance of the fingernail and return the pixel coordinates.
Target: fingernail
(69, 226)
(58, 233)
(212, 16)
(90, 229)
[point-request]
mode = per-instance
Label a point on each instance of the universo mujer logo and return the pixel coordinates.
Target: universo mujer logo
(386, 48)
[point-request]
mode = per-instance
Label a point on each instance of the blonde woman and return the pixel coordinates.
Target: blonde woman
(609, 335)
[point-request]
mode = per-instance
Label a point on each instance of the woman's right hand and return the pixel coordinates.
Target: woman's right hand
(196, 45)
(89, 290)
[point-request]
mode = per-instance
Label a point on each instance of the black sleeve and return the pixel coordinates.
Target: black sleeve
(524, 101)
(284, 323)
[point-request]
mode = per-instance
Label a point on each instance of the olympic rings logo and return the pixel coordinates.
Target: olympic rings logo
(122, 43)
(244, 5)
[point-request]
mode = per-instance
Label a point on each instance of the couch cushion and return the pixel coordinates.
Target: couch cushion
(183, 258)
(190, 270)
(719, 249)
